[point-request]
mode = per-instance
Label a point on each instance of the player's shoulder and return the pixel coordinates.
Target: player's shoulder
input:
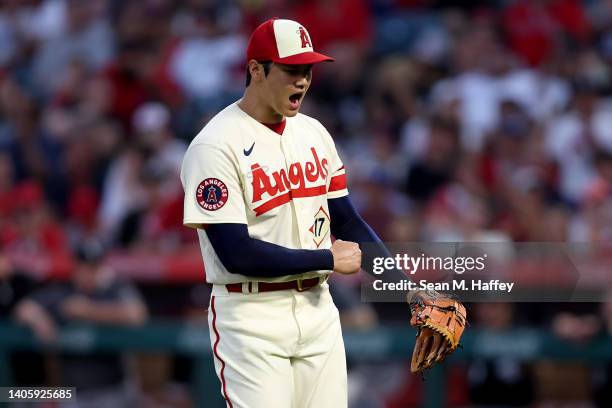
(222, 130)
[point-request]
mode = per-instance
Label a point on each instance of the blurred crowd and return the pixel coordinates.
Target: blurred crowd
(484, 121)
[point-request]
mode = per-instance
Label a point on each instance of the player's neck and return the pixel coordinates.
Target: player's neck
(258, 109)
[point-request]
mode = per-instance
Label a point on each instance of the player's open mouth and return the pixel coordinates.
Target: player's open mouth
(294, 100)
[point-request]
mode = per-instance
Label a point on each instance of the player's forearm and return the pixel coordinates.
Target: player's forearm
(241, 254)
(347, 224)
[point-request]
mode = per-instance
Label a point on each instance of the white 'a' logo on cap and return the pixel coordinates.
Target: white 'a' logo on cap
(291, 38)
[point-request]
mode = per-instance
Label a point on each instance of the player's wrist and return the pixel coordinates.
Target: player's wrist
(328, 257)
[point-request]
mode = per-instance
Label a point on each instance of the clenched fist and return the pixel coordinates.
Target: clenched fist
(347, 257)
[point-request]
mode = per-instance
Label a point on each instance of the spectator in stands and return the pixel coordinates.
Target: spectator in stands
(155, 224)
(88, 37)
(151, 124)
(33, 154)
(206, 40)
(533, 27)
(122, 191)
(478, 65)
(152, 219)
(14, 286)
(573, 138)
(495, 381)
(129, 78)
(435, 168)
(23, 24)
(33, 227)
(390, 94)
(577, 323)
(27, 366)
(93, 296)
(81, 98)
(594, 222)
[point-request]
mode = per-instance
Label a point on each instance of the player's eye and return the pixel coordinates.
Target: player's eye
(307, 72)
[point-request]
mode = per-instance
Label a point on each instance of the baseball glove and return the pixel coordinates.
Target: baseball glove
(440, 321)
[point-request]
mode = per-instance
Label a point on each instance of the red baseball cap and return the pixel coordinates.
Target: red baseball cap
(284, 42)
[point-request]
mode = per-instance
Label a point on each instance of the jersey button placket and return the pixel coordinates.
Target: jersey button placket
(288, 147)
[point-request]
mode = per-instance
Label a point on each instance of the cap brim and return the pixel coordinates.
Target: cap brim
(304, 58)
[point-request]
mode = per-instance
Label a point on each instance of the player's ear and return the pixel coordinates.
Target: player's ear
(256, 70)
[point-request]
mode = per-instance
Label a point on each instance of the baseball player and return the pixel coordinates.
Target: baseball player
(266, 190)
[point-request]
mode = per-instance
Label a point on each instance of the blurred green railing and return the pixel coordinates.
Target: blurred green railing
(380, 344)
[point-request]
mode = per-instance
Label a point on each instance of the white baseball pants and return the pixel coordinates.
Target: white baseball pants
(280, 349)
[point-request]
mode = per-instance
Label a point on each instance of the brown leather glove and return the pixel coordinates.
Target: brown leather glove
(440, 321)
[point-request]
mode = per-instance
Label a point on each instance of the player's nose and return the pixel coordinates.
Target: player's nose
(301, 82)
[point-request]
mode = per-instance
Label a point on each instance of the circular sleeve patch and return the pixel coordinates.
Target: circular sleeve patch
(212, 194)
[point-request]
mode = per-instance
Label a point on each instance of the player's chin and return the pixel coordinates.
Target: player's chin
(291, 111)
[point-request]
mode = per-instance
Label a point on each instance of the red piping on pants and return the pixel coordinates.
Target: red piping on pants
(214, 325)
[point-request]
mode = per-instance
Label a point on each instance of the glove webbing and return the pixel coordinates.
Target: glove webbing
(448, 336)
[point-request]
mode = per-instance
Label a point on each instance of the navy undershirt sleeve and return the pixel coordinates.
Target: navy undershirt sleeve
(241, 254)
(347, 224)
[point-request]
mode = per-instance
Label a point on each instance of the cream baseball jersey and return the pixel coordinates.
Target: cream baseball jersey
(237, 170)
